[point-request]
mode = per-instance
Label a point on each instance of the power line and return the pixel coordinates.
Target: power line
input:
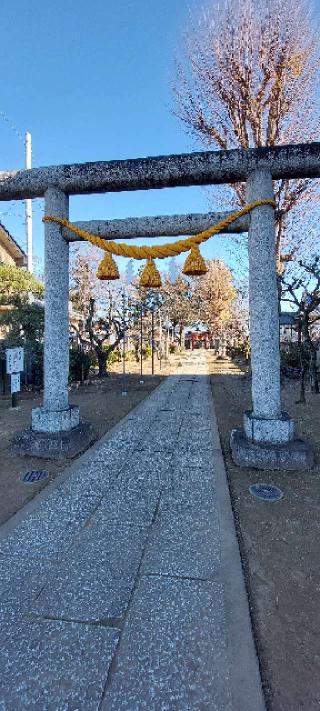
(15, 130)
(11, 125)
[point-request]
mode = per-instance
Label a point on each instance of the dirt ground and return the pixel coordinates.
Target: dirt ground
(101, 402)
(280, 548)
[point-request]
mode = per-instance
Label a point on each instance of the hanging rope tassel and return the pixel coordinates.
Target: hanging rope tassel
(194, 264)
(108, 269)
(150, 276)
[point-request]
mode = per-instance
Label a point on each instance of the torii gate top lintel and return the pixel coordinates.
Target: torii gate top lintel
(203, 168)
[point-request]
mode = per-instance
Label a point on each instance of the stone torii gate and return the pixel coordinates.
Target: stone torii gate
(267, 439)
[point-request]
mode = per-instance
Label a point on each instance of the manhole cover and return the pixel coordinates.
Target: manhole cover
(34, 476)
(266, 492)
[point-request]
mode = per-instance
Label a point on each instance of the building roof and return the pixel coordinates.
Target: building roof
(198, 327)
(12, 247)
(288, 318)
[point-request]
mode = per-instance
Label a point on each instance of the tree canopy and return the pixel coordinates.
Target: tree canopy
(248, 77)
(22, 315)
(17, 283)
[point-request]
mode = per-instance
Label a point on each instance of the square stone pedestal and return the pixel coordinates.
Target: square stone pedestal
(43, 420)
(55, 435)
(275, 431)
(269, 444)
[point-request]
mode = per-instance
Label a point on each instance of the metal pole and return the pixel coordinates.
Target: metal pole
(152, 342)
(166, 343)
(141, 367)
(124, 333)
(160, 338)
(28, 204)
(3, 376)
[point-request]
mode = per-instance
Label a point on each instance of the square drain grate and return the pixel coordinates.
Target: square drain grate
(34, 476)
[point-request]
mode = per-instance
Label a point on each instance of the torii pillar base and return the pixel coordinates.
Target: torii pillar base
(271, 444)
(62, 444)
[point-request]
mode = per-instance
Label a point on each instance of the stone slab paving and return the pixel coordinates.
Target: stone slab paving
(95, 581)
(116, 587)
(53, 665)
(176, 658)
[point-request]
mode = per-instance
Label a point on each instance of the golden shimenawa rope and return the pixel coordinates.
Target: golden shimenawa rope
(161, 251)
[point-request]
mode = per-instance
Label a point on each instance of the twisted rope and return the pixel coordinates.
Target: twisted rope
(161, 251)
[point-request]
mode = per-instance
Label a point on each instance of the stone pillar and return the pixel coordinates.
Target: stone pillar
(56, 415)
(263, 300)
(265, 423)
(268, 438)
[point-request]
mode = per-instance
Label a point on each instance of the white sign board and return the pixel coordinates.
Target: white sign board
(15, 383)
(14, 360)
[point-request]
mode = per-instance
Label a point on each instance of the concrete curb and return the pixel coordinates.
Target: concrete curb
(247, 694)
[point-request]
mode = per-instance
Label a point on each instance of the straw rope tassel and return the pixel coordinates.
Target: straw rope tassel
(194, 264)
(150, 276)
(108, 269)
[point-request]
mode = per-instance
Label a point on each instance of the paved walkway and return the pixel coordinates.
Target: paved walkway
(122, 588)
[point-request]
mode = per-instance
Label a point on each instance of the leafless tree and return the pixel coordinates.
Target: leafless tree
(97, 308)
(303, 292)
(99, 329)
(248, 77)
(217, 295)
(181, 302)
(238, 324)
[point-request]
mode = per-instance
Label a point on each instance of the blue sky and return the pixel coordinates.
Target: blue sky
(92, 81)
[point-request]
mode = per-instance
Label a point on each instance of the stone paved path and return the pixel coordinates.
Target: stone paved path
(122, 589)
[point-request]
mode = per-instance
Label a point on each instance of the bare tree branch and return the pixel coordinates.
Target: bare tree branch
(248, 77)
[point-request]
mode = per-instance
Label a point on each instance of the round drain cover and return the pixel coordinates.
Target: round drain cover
(34, 476)
(266, 492)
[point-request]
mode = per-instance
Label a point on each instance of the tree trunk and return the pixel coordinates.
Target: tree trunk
(313, 369)
(312, 354)
(302, 398)
(112, 348)
(180, 336)
(312, 360)
(102, 361)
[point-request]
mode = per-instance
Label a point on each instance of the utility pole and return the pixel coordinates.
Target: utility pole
(28, 204)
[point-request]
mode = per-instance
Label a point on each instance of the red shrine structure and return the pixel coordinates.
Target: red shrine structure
(196, 337)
